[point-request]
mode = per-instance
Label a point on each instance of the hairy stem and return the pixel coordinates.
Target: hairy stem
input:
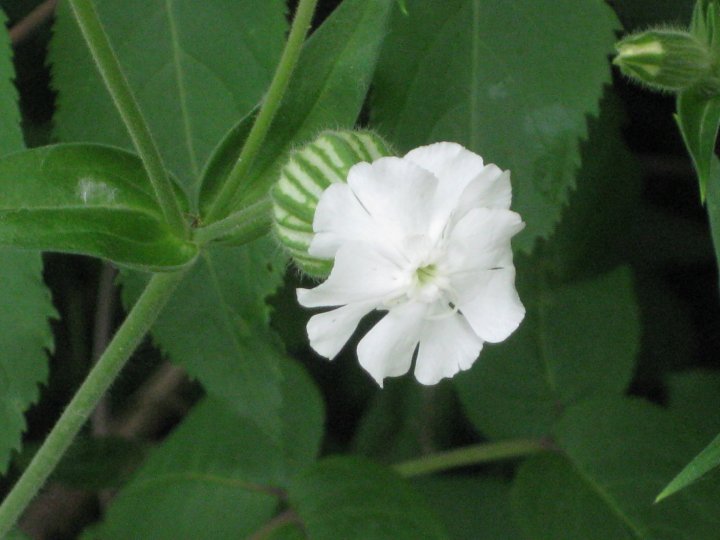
(126, 104)
(102, 375)
(276, 91)
(471, 455)
(244, 226)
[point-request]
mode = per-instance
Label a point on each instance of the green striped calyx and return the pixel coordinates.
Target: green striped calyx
(668, 60)
(307, 173)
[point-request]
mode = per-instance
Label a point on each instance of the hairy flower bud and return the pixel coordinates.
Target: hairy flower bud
(669, 60)
(308, 172)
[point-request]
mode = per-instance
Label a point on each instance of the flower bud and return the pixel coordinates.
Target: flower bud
(670, 60)
(307, 173)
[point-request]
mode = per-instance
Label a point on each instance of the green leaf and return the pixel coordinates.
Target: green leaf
(619, 454)
(554, 502)
(92, 463)
(218, 475)
(407, 419)
(213, 478)
(26, 338)
(512, 81)
(698, 118)
(576, 342)
(216, 326)
(352, 498)
(302, 420)
(24, 343)
(471, 507)
(705, 461)
(713, 205)
(602, 216)
(87, 199)
(691, 394)
(327, 91)
(608, 221)
(208, 65)
(11, 138)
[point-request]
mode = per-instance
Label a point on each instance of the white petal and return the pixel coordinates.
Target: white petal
(489, 189)
(396, 193)
(481, 240)
(329, 331)
(340, 218)
(465, 182)
(387, 350)
(454, 165)
(360, 274)
(493, 308)
(447, 346)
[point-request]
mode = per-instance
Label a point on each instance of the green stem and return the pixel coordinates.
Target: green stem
(471, 455)
(102, 375)
(276, 91)
(116, 83)
(244, 226)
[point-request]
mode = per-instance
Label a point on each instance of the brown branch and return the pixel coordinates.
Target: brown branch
(152, 403)
(279, 521)
(26, 27)
(102, 332)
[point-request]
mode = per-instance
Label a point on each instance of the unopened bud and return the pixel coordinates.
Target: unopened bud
(308, 172)
(669, 60)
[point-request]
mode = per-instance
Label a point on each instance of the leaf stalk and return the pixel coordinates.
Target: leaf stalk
(242, 226)
(471, 455)
(219, 207)
(126, 104)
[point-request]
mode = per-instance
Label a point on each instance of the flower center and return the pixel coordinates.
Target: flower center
(427, 284)
(426, 274)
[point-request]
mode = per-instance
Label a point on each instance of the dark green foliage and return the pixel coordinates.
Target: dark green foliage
(25, 338)
(356, 499)
(577, 341)
(190, 88)
(327, 90)
(449, 72)
(219, 474)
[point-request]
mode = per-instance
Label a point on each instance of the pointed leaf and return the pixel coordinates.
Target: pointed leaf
(577, 341)
(219, 475)
(26, 305)
(208, 65)
(450, 71)
(24, 343)
(86, 199)
(698, 118)
(327, 91)
(705, 461)
(351, 498)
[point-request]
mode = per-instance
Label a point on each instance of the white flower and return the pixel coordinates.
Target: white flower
(426, 238)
